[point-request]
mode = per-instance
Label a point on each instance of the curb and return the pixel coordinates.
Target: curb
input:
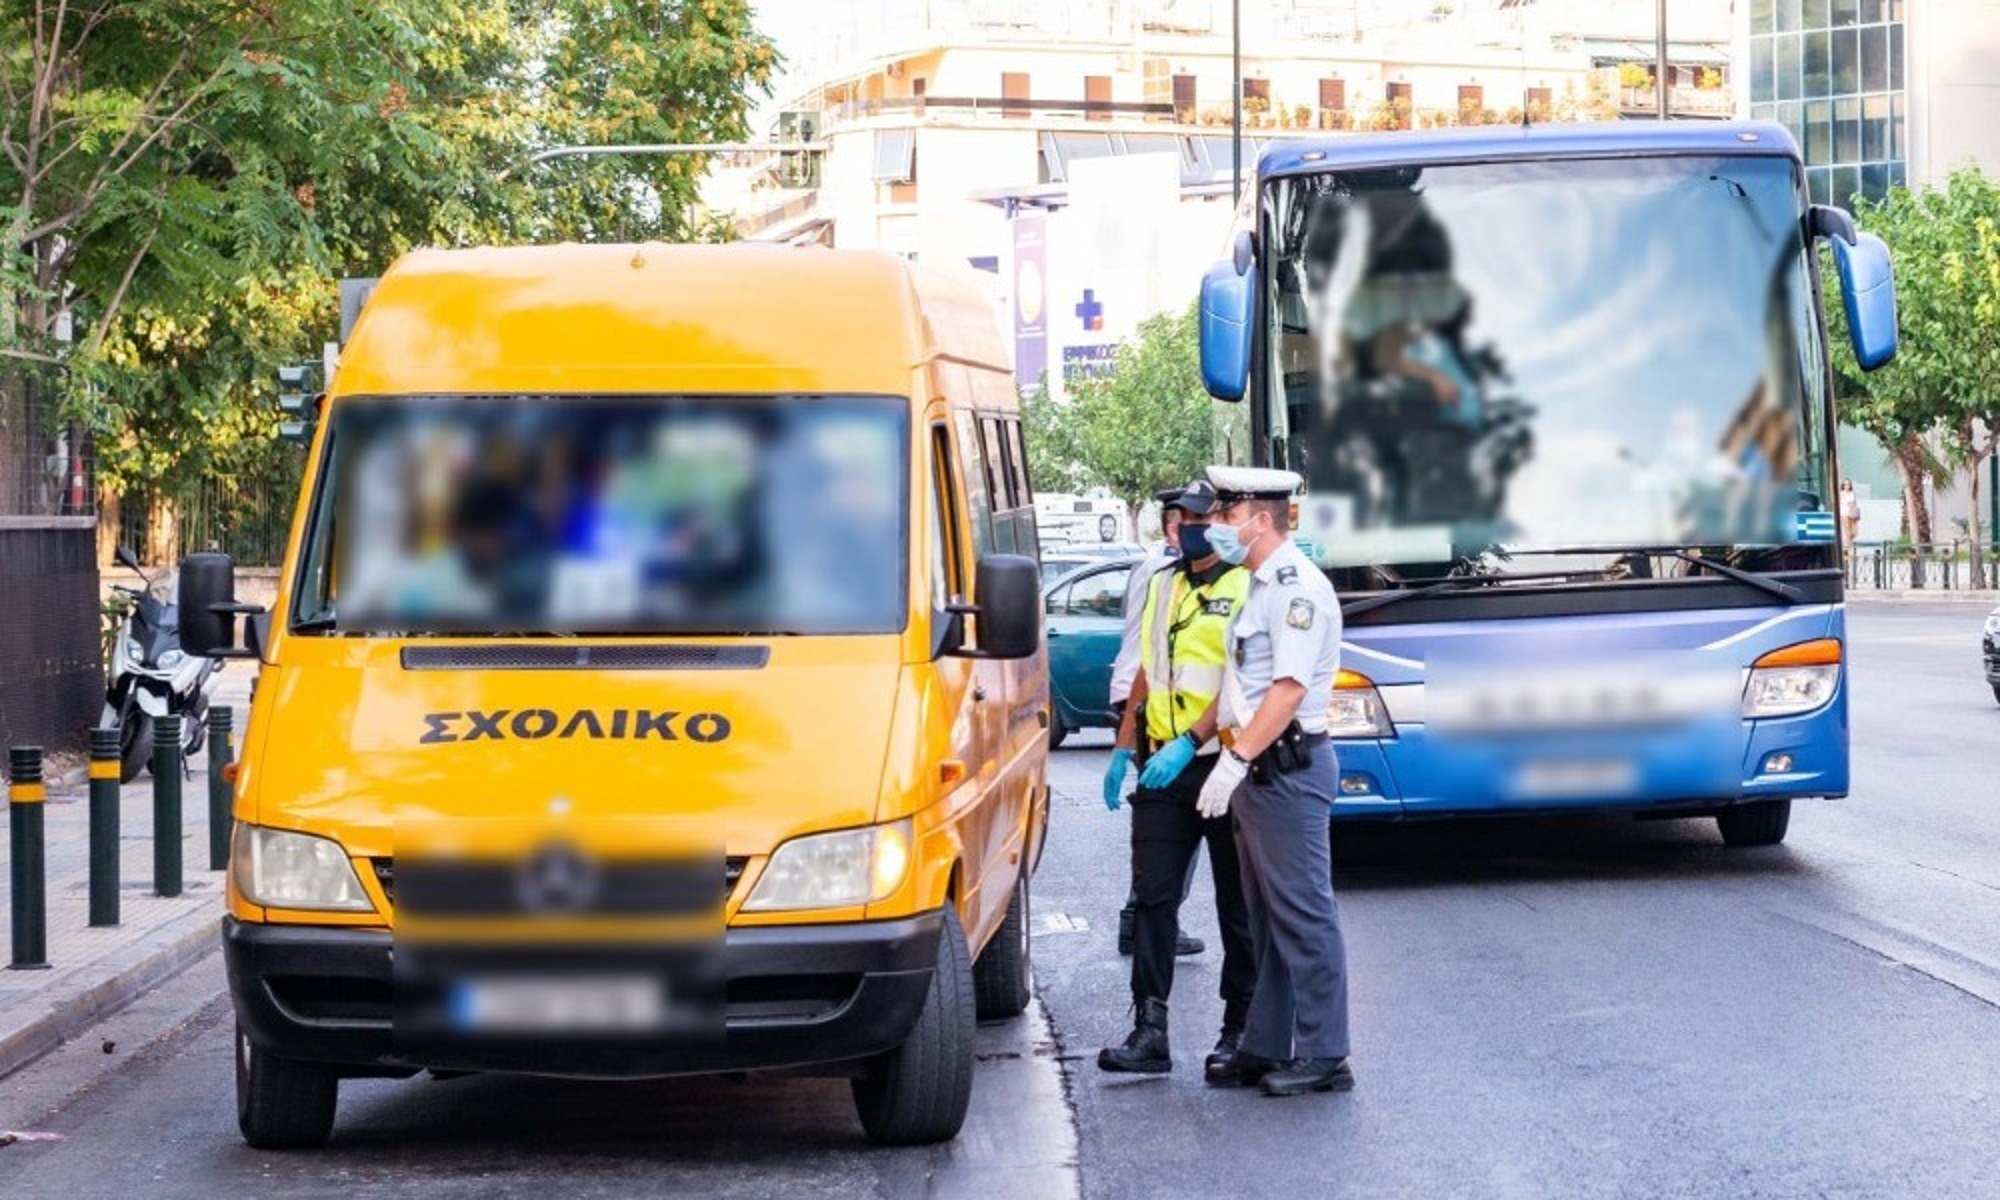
(187, 939)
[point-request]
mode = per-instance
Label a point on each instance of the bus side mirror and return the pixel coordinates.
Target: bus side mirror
(1868, 291)
(1228, 298)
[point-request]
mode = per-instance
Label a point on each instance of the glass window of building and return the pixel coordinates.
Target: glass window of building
(1831, 71)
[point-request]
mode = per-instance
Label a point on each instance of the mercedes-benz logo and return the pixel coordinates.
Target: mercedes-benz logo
(557, 879)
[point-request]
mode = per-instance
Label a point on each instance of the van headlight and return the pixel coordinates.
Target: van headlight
(1794, 680)
(277, 868)
(1357, 710)
(834, 870)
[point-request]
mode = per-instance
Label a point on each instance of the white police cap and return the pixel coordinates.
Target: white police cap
(1252, 483)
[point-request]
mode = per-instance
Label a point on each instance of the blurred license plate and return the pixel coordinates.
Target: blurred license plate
(1594, 777)
(622, 1004)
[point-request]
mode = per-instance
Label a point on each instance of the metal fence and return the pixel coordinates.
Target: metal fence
(247, 517)
(1939, 566)
(46, 464)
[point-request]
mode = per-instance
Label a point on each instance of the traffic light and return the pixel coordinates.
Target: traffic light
(298, 399)
(798, 168)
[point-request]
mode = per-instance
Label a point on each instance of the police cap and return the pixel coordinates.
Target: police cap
(1167, 496)
(1197, 498)
(1232, 484)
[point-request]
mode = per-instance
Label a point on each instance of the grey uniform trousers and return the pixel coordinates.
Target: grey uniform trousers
(1298, 1007)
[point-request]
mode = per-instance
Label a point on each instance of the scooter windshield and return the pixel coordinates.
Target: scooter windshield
(1467, 359)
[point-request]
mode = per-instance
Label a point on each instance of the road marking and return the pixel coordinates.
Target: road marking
(1060, 923)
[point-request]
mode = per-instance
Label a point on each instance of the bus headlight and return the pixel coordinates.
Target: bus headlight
(1796, 679)
(834, 870)
(277, 868)
(1357, 710)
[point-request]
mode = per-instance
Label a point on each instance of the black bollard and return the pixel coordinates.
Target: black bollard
(104, 773)
(219, 755)
(167, 805)
(25, 795)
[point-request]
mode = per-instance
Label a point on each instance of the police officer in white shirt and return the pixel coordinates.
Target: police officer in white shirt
(1277, 776)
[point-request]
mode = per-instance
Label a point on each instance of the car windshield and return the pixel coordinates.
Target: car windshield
(1544, 356)
(551, 515)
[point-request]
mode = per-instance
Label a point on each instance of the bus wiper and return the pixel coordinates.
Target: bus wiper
(1777, 587)
(1450, 583)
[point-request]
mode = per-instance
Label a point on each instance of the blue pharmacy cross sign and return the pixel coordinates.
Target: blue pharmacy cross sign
(1090, 311)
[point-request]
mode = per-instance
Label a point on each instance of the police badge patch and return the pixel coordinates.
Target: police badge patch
(1300, 614)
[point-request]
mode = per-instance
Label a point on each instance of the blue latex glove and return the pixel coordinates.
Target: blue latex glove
(1114, 776)
(1168, 762)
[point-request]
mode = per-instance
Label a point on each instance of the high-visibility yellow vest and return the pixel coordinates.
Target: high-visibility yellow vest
(1183, 632)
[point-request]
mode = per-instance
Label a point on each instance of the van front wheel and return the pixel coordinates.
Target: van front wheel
(917, 1093)
(1002, 978)
(281, 1104)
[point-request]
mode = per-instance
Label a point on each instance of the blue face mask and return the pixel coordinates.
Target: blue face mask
(1225, 541)
(1195, 544)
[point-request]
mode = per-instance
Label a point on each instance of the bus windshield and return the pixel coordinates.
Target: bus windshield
(1468, 361)
(527, 515)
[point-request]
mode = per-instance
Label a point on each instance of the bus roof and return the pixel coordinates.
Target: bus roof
(658, 318)
(1515, 143)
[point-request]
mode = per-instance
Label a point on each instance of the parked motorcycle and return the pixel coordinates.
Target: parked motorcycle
(150, 676)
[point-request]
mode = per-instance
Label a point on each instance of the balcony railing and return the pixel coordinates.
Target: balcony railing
(1681, 100)
(998, 108)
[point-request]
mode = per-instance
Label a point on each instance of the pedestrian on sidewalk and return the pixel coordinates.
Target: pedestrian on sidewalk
(1124, 668)
(1277, 777)
(1850, 515)
(1185, 614)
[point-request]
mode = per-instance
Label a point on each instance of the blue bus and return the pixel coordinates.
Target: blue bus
(1563, 404)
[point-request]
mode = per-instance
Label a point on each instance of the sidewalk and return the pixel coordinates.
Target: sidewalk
(1990, 599)
(95, 971)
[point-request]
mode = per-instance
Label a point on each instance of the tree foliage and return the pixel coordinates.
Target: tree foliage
(188, 179)
(1943, 388)
(1147, 425)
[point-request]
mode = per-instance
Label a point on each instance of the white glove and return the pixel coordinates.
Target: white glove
(1221, 786)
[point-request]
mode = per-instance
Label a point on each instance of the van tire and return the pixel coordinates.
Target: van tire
(1003, 977)
(1058, 731)
(282, 1104)
(918, 1093)
(1761, 823)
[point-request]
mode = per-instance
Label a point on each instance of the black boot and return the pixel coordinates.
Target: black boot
(1303, 1075)
(1126, 916)
(1185, 944)
(1145, 1051)
(1222, 1060)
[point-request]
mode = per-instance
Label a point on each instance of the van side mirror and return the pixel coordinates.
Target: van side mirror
(1228, 299)
(1008, 588)
(1868, 291)
(208, 607)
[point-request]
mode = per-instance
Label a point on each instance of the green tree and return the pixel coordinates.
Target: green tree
(1942, 384)
(187, 179)
(1147, 425)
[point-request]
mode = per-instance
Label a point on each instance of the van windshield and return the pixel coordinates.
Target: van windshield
(555, 515)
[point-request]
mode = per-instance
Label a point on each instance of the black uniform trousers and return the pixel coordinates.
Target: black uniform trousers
(1166, 834)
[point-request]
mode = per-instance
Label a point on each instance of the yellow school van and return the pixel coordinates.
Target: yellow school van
(655, 687)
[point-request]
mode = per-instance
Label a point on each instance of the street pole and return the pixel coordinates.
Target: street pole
(1660, 66)
(1236, 102)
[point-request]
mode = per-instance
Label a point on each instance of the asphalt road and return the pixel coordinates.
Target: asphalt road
(1599, 1007)
(1582, 1007)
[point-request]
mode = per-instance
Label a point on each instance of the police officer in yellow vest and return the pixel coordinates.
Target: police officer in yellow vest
(1172, 712)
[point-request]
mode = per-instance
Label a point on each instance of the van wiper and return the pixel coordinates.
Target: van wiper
(1776, 587)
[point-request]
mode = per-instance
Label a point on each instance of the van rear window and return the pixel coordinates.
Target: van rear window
(523, 515)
